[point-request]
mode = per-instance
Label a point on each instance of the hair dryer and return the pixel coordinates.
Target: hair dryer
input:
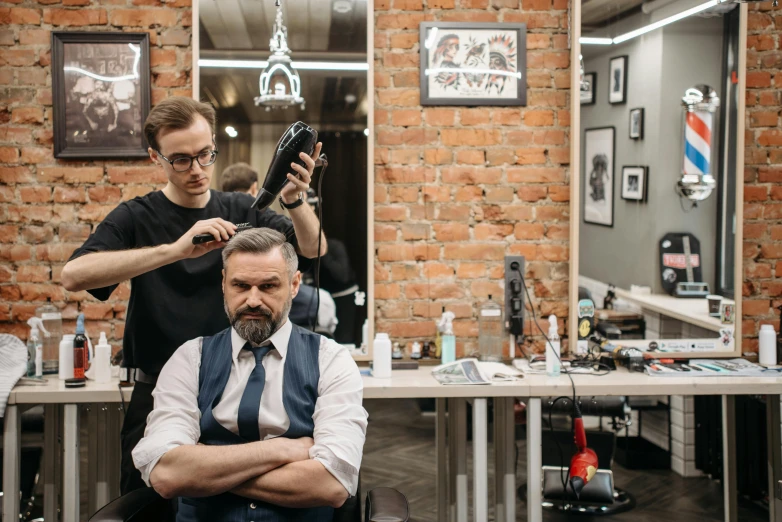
(299, 138)
(583, 465)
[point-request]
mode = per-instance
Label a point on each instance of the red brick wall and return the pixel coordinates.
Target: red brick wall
(47, 206)
(457, 188)
(763, 173)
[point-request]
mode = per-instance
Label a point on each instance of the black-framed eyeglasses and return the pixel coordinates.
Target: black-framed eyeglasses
(183, 163)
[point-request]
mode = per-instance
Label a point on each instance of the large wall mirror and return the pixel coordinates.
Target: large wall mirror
(657, 168)
(328, 48)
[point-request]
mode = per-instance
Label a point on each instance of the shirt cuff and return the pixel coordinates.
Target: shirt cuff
(346, 474)
(148, 452)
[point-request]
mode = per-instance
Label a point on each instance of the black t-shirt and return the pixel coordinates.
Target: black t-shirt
(181, 301)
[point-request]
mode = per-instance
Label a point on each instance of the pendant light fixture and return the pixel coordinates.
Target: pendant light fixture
(279, 84)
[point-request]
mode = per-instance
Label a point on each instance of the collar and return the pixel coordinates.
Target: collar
(279, 339)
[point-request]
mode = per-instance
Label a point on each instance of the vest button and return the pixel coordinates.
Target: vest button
(252, 505)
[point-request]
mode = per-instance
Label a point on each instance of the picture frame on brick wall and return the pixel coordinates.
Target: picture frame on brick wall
(100, 94)
(464, 63)
(598, 177)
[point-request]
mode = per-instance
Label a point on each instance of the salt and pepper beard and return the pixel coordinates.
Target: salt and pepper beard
(256, 331)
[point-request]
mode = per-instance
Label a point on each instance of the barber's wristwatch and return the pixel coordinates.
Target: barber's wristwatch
(296, 204)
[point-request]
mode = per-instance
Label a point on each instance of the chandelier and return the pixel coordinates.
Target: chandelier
(279, 84)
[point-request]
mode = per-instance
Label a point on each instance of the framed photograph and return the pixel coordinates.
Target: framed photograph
(464, 63)
(617, 80)
(599, 176)
(634, 183)
(100, 94)
(637, 124)
(588, 89)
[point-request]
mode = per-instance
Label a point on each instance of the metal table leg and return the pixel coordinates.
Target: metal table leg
(442, 462)
(730, 491)
(774, 457)
(534, 460)
(114, 450)
(457, 413)
(504, 461)
(480, 464)
(70, 478)
(51, 460)
(12, 456)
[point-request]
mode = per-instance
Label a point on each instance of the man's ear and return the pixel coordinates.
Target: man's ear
(253, 189)
(154, 156)
(295, 284)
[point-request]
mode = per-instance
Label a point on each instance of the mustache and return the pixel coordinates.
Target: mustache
(257, 310)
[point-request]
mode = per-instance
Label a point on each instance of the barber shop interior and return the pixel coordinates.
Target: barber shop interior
(390, 260)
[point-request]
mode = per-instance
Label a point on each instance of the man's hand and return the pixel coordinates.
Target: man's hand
(294, 450)
(220, 229)
(300, 184)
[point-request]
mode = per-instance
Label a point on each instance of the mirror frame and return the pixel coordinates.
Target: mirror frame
(370, 290)
(575, 187)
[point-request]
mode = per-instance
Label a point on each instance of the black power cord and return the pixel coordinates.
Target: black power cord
(323, 159)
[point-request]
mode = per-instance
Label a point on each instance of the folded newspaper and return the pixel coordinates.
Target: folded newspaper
(473, 371)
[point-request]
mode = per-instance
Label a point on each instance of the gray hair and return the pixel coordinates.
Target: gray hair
(262, 241)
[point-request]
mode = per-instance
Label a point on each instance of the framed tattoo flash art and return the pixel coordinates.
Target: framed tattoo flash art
(465, 63)
(100, 93)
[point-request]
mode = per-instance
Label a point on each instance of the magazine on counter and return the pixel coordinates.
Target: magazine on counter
(472, 371)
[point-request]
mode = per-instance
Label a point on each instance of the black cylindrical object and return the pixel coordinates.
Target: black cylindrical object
(299, 138)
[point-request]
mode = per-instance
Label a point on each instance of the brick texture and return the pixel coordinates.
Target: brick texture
(762, 249)
(47, 206)
(458, 188)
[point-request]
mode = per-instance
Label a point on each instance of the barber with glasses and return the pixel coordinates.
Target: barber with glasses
(176, 285)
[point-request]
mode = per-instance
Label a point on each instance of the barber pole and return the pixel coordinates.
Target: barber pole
(697, 143)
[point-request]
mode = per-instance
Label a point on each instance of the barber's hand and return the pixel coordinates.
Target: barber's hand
(220, 229)
(300, 184)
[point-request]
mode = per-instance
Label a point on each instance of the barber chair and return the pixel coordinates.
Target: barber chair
(600, 497)
(30, 466)
(145, 505)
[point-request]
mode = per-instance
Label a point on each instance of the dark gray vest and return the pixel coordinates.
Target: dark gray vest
(299, 394)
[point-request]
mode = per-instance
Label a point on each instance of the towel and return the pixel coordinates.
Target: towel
(13, 366)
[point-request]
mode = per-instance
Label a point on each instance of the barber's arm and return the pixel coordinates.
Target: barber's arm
(331, 476)
(169, 456)
(113, 262)
(305, 222)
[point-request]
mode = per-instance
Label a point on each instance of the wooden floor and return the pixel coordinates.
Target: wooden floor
(400, 453)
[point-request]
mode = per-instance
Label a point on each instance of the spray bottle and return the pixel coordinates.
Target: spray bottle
(79, 349)
(35, 348)
(438, 341)
(447, 340)
(552, 348)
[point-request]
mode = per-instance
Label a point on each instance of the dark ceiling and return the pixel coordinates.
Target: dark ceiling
(318, 30)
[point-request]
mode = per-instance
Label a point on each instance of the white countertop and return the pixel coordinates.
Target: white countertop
(420, 384)
(692, 311)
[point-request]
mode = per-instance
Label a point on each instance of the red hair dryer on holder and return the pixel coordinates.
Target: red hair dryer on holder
(583, 464)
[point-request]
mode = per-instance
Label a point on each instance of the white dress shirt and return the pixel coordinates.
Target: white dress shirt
(339, 417)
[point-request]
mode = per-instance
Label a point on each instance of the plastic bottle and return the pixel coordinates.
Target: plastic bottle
(35, 348)
(381, 356)
(65, 367)
(448, 340)
(552, 348)
(767, 350)
(102, 360)
(79, 349)
(490, 331)
(438, 341)
(364, 335)
(52, 321)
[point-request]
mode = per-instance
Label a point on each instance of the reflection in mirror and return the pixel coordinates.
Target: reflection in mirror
(658, 169)
(327, 42)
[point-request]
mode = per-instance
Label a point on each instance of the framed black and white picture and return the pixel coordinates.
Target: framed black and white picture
(637, 124)
(617, 80)
(598, 177)
(634, 183)
(588, 89)
(465, 63)
(100, 94)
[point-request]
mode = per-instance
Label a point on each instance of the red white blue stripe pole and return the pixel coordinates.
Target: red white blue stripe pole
(697, 142)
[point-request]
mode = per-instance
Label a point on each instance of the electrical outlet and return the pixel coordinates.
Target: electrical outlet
(514, 294)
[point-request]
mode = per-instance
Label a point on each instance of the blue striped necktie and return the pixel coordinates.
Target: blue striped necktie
(251, 398)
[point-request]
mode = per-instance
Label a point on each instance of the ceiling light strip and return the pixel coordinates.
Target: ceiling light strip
(261, 64)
